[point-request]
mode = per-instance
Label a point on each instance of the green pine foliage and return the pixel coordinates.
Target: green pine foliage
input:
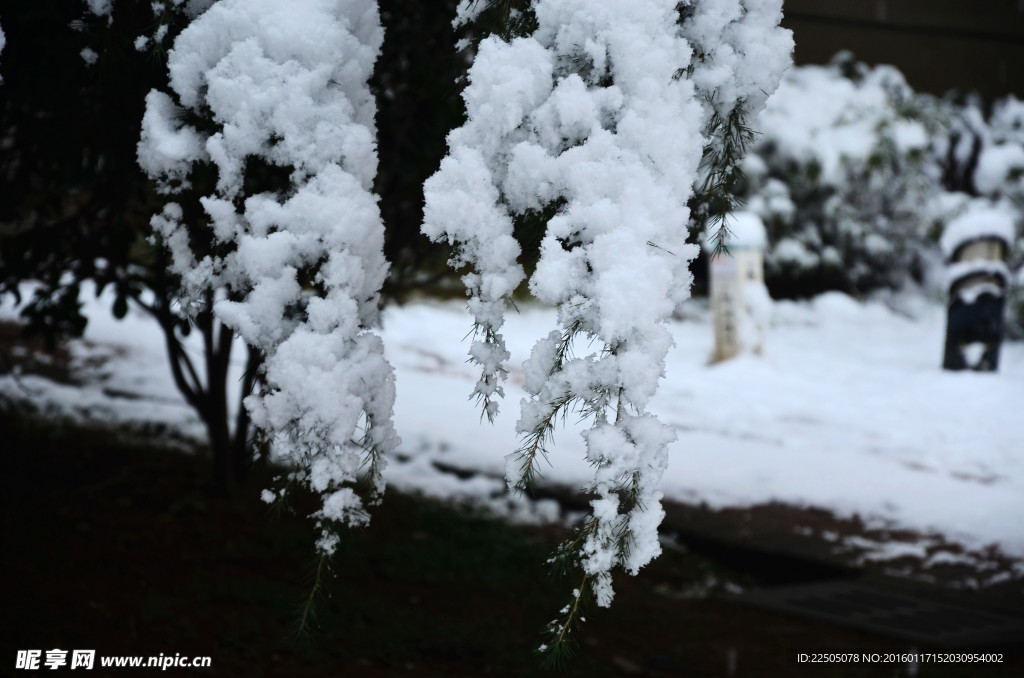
(718, 194)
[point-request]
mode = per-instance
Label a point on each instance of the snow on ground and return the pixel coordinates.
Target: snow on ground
(120, 374)
(846, 411)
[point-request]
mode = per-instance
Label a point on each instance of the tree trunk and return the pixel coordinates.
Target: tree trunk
(230, 449)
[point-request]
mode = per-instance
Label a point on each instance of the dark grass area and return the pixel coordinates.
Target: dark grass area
(124, 548)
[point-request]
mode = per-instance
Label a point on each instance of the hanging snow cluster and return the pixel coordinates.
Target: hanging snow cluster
(596, 123)
(741, 53)
(261, 85)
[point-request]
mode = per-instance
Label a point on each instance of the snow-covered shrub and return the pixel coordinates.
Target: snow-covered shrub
(593, 122)
(983, 156)
(843, 177)
(855, 176)
(1000, 170)
(266, 146)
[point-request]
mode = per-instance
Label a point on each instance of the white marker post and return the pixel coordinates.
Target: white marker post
(740, 305)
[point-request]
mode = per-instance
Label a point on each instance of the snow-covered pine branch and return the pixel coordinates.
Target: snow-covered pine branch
(597, 121)
(261, 86)
(740, 54)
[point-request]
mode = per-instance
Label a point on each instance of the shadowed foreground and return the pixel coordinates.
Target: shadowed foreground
(114, 546)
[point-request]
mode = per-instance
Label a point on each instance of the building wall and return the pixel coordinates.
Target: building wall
(938, 44)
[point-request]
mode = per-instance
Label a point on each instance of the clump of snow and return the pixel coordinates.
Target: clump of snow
(891, 550)
(819, 116)
(296, 273)
(468, 10)
(998, 164)
(168, 148)
(973, 353)
(1007, 120)
(962, 269)
(744, 230)
(790, 251)
(89, 56)
(740, 52)
(100, 7)
(976, 224)
(910, 135)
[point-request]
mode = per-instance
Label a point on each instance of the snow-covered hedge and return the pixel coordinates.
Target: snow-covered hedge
(842, 176)
(856, 175)
(982, 155)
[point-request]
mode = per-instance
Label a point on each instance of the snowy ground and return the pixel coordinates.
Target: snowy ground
(846, 411)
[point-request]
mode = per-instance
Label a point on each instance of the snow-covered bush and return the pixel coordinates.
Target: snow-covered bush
(983, 156)
(1000, 163)
(267, 149)
(999, 176)
(856, 175)
(843, 176)
(593, 121)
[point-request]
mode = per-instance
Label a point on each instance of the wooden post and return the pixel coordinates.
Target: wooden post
(740, 305)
